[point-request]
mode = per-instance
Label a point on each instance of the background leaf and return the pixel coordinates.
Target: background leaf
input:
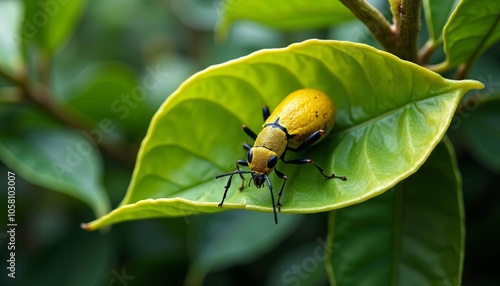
(303, 265)
(436, 16)
(226, 239)
(55, 158)
(290, 15)
(411, 235)
(479, 130)
(473, 27)
(111, 91)
(50, 23)
(392, 127)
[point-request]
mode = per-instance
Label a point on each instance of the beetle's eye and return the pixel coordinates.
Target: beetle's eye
(249, 156)
(272, 162)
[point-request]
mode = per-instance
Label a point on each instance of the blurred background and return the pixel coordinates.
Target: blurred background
(113, 47)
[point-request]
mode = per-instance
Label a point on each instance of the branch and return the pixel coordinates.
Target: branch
(43, 99)
(408, 28)
(374, 20)
(41, 96)
(400, 39)
(425, 53)
(9, 77)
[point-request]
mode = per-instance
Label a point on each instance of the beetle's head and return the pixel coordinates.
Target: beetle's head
(258, 179)
(262, 162)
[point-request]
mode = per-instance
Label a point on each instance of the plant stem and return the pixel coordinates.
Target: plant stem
(426, 52)
(41, 96)
(407, 29)
(373, 19)
(400, 39)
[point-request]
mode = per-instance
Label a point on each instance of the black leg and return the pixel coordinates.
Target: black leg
(249, 132)
(238, 164)
(247, 146)
(283, 177)
(265, 112)
(226, 188)
(309, 161)
(272, 198)
(228, 185)
(309, 141)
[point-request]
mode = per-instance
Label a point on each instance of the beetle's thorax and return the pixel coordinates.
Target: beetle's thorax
(268, 148)
(273, 139)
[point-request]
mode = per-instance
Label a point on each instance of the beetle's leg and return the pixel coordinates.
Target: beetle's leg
(265, 112)
(283, 177)
(238, 164)
(309, 141)
(272, 199)
(249, 132)
(228, 185)
(309, 161)
(226, 188)
(247, 146)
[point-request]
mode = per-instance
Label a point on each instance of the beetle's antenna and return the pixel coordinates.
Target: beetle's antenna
(229, 182)
(233, 173)
(272, 198)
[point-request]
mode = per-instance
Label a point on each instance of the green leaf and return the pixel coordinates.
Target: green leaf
(479, 128)
(302, 265)
(50, 22)
(10, 20)
(224, 240)
(436, 16)
(288, 15)
(96, 255)
(390, 115)
(56, 159)
(110, 91)
(473, 28)
(411, 235)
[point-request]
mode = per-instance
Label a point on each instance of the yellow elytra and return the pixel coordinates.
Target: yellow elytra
(300, 120)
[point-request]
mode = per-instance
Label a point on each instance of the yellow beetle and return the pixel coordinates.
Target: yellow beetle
(299, 121)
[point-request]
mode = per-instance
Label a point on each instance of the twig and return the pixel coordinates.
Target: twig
(374, 20)
(426, 52)
(41, 96)
(400, 39)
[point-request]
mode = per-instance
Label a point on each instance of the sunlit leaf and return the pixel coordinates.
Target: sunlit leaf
(390, 115)
(289, 15)
(473, 27)
(413, 234)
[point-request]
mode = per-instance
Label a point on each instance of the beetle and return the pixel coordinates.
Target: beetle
(303, 118)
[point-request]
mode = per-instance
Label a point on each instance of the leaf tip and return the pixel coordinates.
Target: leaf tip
(470, 84)
(86, 226)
